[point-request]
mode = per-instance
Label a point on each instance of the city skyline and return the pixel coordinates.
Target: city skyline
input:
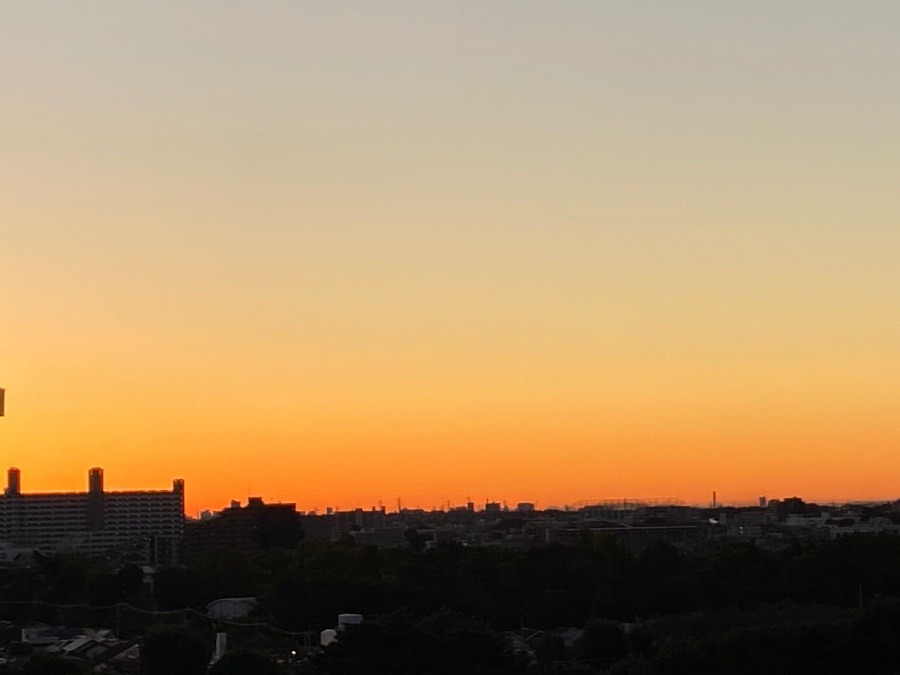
(337, 253)
(14, 487)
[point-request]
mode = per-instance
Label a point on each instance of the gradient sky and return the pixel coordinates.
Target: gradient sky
(341, 252)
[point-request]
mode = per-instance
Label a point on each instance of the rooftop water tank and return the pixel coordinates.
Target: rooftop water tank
(345, 620)
(327, 636)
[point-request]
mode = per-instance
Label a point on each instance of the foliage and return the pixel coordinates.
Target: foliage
(173, 651)
(401, 643)
(733, 608)
(245, 662)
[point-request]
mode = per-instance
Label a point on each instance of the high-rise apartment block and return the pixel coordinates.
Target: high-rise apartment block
(142, 526)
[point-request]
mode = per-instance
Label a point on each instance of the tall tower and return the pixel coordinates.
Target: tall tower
(96, 515)
(14, 482)
(95, 480)
(178, 491)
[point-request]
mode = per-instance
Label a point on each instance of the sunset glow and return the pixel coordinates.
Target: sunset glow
(340, 253)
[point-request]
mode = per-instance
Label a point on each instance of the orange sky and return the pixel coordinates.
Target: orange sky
(336, 253)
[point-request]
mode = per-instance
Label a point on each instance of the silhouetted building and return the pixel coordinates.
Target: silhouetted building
(334, 524)
(320, 527)
(792, 506)
(136, 526)
(250, 528)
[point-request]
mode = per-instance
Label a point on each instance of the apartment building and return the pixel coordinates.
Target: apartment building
(141, 526)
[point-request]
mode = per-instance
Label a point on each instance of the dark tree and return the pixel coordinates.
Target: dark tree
(440, 644)
(173, 651)
(602, 641)
(245, 662)
(177, 587)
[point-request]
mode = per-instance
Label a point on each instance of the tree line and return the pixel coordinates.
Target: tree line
(815, 607)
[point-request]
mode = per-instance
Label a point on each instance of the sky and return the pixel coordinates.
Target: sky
(345, 253)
